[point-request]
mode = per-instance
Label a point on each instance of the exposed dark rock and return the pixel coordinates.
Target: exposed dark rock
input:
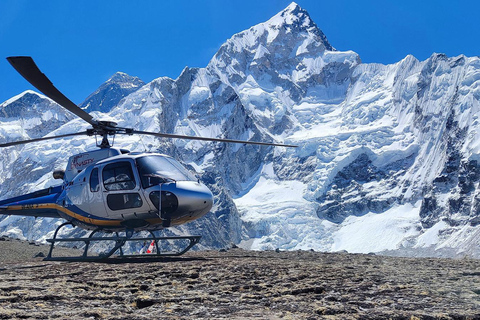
(456, 183)
(347, 196)
(428, 211)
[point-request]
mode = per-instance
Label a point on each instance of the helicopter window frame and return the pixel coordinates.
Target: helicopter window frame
(122, 201)
(94, 180)
(118, 176)
(163, 170)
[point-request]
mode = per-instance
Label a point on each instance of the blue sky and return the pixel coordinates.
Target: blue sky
(80, 44)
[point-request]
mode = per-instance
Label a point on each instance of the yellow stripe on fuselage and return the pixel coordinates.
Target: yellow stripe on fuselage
(97, 222)
(109, 223)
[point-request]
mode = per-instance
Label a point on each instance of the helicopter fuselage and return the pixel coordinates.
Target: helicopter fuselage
(144, 191)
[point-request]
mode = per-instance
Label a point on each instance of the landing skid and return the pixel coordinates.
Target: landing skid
(119, 241)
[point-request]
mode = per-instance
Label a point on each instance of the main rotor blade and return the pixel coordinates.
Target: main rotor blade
(9, 144)
(176, 136)
(29, 70)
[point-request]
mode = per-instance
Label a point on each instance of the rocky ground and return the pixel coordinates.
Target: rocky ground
(238, 284)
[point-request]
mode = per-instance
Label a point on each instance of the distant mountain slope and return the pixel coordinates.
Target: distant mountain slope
(387, 159)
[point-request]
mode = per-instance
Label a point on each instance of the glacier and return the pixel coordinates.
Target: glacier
(388, 156)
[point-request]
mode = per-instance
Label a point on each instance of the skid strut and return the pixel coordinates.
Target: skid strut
(120, 241)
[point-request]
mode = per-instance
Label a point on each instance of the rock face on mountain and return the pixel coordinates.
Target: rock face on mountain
(387, 157)
(30, 115)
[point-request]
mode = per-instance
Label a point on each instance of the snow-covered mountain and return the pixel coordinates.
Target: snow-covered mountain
(388, 155)
(109, 94)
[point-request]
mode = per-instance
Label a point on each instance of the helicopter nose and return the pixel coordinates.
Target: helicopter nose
(194, 198)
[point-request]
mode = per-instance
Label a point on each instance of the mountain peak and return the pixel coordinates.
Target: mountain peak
(292, 13)
(292, 6)
(20, 96)
(29, 105)
(295, 18)
(285, 39)
(122, 77)
(111, 92)
(288, 28)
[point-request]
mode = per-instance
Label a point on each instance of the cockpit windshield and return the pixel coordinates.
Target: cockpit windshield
(156, 169)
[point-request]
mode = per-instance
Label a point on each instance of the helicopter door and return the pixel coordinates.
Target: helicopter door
(122, 194)
(96, 200)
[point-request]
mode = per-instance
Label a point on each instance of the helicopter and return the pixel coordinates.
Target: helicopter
(110, 189)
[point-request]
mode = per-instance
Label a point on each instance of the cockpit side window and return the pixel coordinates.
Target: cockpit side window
(94, 183)
(118, 176)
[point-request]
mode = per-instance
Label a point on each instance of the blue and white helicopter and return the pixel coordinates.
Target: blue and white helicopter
(112, 190)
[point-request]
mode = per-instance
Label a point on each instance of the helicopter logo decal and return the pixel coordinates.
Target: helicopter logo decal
(79, 163)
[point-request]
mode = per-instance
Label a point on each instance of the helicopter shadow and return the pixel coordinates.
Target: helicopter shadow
(141, 260)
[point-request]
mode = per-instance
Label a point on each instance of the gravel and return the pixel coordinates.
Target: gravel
(15, 251)
(238, 284)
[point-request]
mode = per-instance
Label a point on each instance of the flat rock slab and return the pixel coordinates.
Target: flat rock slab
(239, 284)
